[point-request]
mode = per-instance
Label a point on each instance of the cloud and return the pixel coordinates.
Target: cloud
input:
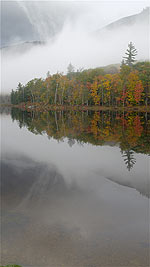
(74, 43)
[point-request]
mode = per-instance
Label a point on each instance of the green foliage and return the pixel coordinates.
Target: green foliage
(130, 130)
(130, 54)
(129, 159)
(100, 86)
(143, 69)
(124, 72)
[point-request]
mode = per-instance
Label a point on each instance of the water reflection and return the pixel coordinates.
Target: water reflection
(44, 217)
(69, 199)
(130, 131)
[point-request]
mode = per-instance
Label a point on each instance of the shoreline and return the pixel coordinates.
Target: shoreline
(37, 107)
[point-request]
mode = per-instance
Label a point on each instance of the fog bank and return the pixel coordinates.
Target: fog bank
(74, 43)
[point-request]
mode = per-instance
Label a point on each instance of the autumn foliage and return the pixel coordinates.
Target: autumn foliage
(129, 87)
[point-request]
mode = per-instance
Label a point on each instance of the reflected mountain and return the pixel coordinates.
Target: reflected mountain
(26, 182)
(84, 220)
(143, 187)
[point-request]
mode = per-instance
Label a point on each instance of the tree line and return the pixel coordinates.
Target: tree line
(128, 86)
(130, 130)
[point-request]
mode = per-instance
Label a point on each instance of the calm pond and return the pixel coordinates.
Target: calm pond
(75, 188)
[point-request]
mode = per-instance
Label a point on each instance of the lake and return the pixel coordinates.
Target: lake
(75, 188)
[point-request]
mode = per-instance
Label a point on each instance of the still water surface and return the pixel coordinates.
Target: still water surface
(75, 189)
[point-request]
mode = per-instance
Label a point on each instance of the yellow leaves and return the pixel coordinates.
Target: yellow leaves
(94, 93)
(106, 84)
(134, 87)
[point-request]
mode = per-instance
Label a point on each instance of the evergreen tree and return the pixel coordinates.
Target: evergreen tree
(48, 74)
(122, 63)
(70, 71)
(130, 54)
(70, 68)
(129, 159)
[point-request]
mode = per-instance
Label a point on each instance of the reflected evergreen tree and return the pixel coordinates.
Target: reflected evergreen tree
(122, 63)
(92, 128)
(129, 159)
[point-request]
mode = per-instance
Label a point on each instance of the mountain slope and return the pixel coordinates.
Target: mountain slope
(141, 18)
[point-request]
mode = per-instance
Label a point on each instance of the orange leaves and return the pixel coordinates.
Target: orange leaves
(134, 88)
(106, 88)
(138, 91)
(137, 126)
(90, 87)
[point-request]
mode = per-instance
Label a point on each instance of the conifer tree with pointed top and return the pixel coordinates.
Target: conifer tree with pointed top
(70, 68)
(131, 53)
(129, 158)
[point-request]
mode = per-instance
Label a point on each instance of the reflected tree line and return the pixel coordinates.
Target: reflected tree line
(131, 131)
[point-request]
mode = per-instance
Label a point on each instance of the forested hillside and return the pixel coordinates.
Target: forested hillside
(130, 86)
